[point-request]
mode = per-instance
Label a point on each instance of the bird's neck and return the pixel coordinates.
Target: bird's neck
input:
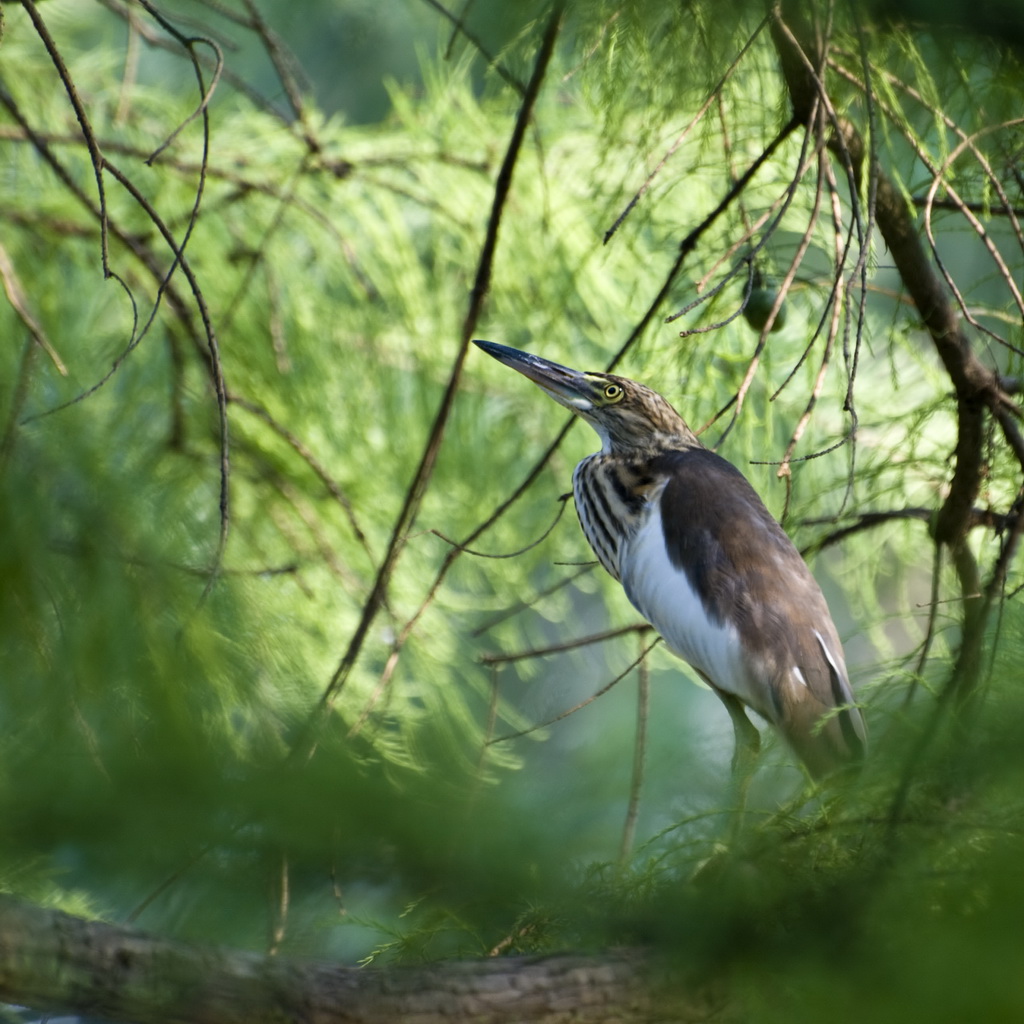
(653, 445)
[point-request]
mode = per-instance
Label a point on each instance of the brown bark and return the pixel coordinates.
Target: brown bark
(53, 961)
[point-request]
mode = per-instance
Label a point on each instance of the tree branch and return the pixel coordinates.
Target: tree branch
(424, 471)
(50, 960)
(977, 388)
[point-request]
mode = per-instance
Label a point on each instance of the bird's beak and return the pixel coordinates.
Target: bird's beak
(568, 387)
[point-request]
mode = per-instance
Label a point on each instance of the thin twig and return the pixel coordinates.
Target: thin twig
(509, 554)
(205, 93)
(643, 694)
(523, 606)
(567, 645)
(307, 456)
(807, 155)
(95, 156)
(492, 61)
(19, 303)
(583, 703)
(681, 137)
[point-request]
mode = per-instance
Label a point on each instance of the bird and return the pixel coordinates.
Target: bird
(705, 563)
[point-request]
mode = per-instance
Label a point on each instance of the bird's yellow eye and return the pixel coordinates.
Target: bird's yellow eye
(612, 392)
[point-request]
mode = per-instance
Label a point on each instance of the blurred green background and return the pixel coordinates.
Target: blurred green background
(166, 756)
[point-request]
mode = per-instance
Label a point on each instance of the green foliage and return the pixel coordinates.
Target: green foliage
(165, 744)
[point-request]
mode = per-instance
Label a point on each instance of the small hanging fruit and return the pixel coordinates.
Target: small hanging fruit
(762, 298)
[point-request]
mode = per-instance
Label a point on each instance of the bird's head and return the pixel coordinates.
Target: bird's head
(626, 415)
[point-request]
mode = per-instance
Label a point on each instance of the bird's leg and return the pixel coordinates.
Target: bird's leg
(744, 757)
(748, 739)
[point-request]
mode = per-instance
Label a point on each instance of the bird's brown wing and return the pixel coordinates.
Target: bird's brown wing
(747, 572)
